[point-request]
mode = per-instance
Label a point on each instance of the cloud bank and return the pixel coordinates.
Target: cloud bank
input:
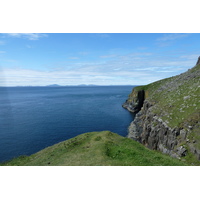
(29, 36)
(133, 69)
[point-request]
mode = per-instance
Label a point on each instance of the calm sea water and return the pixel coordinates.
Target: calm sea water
(32, 118)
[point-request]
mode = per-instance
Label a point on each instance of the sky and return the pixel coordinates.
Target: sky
(40, 59)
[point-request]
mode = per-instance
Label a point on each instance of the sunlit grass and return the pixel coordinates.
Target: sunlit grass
(97, 149)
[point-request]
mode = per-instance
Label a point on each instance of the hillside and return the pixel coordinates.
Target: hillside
(96, 149)
(168, 115)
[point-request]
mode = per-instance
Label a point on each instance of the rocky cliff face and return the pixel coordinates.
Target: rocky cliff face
(136, 102)
(168, 114)
(153, 132)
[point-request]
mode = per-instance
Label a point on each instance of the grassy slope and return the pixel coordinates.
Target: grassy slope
(96, 149)
(177, 98)
(176, 101)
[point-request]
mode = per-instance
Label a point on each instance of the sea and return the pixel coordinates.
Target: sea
(32, 118)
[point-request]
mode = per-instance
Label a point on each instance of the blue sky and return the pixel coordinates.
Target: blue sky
(91, 58)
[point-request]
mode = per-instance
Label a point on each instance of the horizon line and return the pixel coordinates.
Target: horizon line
(55, 85)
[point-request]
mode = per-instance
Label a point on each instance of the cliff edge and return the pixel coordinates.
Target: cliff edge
(168, 115)
(96, 149)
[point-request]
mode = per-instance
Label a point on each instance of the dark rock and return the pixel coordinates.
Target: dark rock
(136, 103)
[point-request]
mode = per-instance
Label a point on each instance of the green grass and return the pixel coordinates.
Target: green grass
(96, 149)
(176, 99)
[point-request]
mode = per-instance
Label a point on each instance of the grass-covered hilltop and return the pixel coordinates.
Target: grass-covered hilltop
(165, 131)
(168, 115)
(96, 149)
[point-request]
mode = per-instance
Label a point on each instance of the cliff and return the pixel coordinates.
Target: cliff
(168, 115)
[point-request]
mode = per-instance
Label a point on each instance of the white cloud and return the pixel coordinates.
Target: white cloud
(172, 36)
(29, 36)
(135, 69)
(169, 39)
(190, 57)
(24, 77)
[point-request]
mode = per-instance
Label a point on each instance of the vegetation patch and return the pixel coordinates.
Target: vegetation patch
(96, 149)
(175, 101)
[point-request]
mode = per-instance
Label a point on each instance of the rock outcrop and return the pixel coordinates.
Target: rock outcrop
(136, 103)
(153, 132)
(168, 114)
